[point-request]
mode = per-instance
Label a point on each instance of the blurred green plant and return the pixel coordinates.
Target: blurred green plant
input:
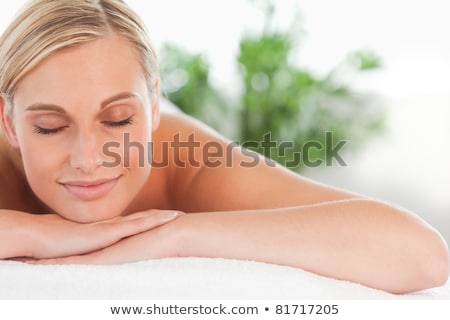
(185, 82)
(185, 79)
(278, 97)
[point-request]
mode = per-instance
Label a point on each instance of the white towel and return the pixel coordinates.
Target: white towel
(182, 278)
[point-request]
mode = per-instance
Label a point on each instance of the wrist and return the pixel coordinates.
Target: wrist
(180, 236)
(31, 239)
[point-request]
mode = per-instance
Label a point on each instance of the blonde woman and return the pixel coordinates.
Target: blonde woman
(81, 128)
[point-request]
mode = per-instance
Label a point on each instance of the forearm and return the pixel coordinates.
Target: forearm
(356, 240)
(15, 238)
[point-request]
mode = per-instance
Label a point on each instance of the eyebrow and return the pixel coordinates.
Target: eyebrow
(118, 97)
(103, 104)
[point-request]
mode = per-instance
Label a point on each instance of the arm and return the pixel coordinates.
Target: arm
(356, 240)
(14, 242)
(49, 235)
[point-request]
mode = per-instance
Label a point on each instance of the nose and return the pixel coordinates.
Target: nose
(85, 152)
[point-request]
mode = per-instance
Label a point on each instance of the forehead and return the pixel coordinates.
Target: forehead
(97, 68)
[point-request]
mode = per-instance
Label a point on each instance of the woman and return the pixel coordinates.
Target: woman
(81, 128)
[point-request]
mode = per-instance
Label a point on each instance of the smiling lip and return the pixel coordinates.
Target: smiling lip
(90, 190)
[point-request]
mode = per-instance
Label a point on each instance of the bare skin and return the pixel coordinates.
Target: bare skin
(261, 212)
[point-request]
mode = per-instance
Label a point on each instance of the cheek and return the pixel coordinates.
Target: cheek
(132, 151)
(137, 152)
(42, 162)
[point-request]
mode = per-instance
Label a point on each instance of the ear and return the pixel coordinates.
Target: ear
(7, 124)
(155, 107)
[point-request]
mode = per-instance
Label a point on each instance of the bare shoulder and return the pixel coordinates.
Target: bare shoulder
(178, 148)
(211, 173)
(168, 151)
(177, 123)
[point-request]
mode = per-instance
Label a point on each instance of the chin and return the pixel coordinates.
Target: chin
(95, 211)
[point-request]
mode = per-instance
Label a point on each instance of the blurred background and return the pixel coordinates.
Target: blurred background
(375, 73)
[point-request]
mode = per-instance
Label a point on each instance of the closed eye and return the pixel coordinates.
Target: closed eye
(119, 123)
(48, 131)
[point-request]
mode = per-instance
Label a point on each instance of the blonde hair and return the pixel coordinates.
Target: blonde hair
(43, 27)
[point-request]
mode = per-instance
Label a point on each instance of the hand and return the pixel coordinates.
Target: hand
(57, 237)
(165, 241)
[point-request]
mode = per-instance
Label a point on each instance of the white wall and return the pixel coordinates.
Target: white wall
(412, 36)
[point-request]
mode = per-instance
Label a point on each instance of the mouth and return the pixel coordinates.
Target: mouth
(90, 190)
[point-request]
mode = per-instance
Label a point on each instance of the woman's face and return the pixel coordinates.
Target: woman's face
(82, 119)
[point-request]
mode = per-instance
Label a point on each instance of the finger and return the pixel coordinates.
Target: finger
(113, 232)
(140, 214)
(144, 222)
(88, 238)
(159, 214)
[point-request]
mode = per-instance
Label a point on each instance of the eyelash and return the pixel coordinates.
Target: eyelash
(40, 130)
(121, 123)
